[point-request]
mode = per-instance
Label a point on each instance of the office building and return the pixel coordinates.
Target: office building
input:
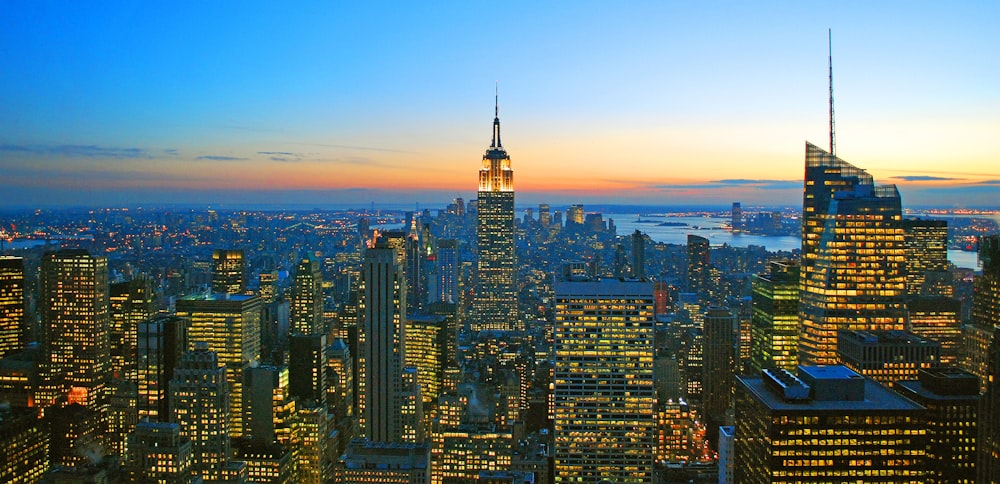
(638, 262)
(386, 463)
(162, 340)
(853, 274)
(544, 215)
(718, 367)
(736, 217)
(495, 299)
(269, 408)
(312, 444)
(270, 463)
(381, 343)
(988, 460)
(75, 433)
(828, 424)
(199, 404)
(774, 327)
(951, 397)
(307, 360)
(229, 271)
(13, 330)
(605, 421)
(986, 290)
(75, 329)
(159, 453)
(24, 445)
(447, 271)
(132, 302)
(230, 325)
(425, 340)
(938, 318)
(887, 356)
(927, 271)
(699, 255)
(306, 314)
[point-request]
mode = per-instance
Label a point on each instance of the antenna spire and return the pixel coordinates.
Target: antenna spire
(496, 118)
(833, 139)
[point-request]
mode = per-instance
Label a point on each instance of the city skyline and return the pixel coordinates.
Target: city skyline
(349, 105)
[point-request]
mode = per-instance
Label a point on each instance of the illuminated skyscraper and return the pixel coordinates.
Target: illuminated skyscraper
(228, 271)
(718, 366)
(24, 445)
(75, 329)
(544, 215)
(986, 295)
(425, 338)
(605, 421)
(199, 403)
(447, 271)
(699, 254)
(775, 323)
(12, 328)
(495, 302)
(826, 425)
(230, 325)
(161, 343)
(927, 271)
(938, 318)
(887, 356)
(131, 303)
(306, 316)
(853, 274)
(988, 462)
(269, 407)
(951, 397)
(381, 343)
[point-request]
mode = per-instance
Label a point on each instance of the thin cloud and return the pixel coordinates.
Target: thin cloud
(925, 178)
(219, 158)
(79, 151)
(989, 183)
(362, 148)
(282, 156)
(729, 184)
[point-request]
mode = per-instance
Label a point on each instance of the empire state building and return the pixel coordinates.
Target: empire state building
(495, 299)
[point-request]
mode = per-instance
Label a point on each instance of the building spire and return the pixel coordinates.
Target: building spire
(496, 118)
(833, 139)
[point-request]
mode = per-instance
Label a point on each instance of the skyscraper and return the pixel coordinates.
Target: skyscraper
(307, 362)
(718, 366)
(605, 421)
(495, 302)
(638, 261)
(230, 325)
(986, 290)
(853, 275)
(381, 343)
(774, 326)
(447, 270)
(12, 329)
(699, 253)
(228, 271)
(131, 303)
(306, 315)
(927, 271)
(162, 340)
(988, 461)
(199, 403)
(75, 329)
(828, 424)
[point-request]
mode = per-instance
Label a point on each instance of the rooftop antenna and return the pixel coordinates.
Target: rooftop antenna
(496, 118)
(833, 140)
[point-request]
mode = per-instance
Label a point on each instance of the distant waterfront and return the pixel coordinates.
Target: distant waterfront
(712, 229)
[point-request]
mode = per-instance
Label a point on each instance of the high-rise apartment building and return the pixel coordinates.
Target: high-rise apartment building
(12, 322)
(828, 424)
(230, 325)
(229, 271)
(306, 314)
(381, 343)
(853, 274)
(199, 403)
(75, 329)
(774, 326)
(495, 299)
(605, 421)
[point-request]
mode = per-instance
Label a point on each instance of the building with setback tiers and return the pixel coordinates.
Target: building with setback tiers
(495, 299)
(605, 420)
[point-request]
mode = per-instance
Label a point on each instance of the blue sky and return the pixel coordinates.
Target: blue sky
(663, 103)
